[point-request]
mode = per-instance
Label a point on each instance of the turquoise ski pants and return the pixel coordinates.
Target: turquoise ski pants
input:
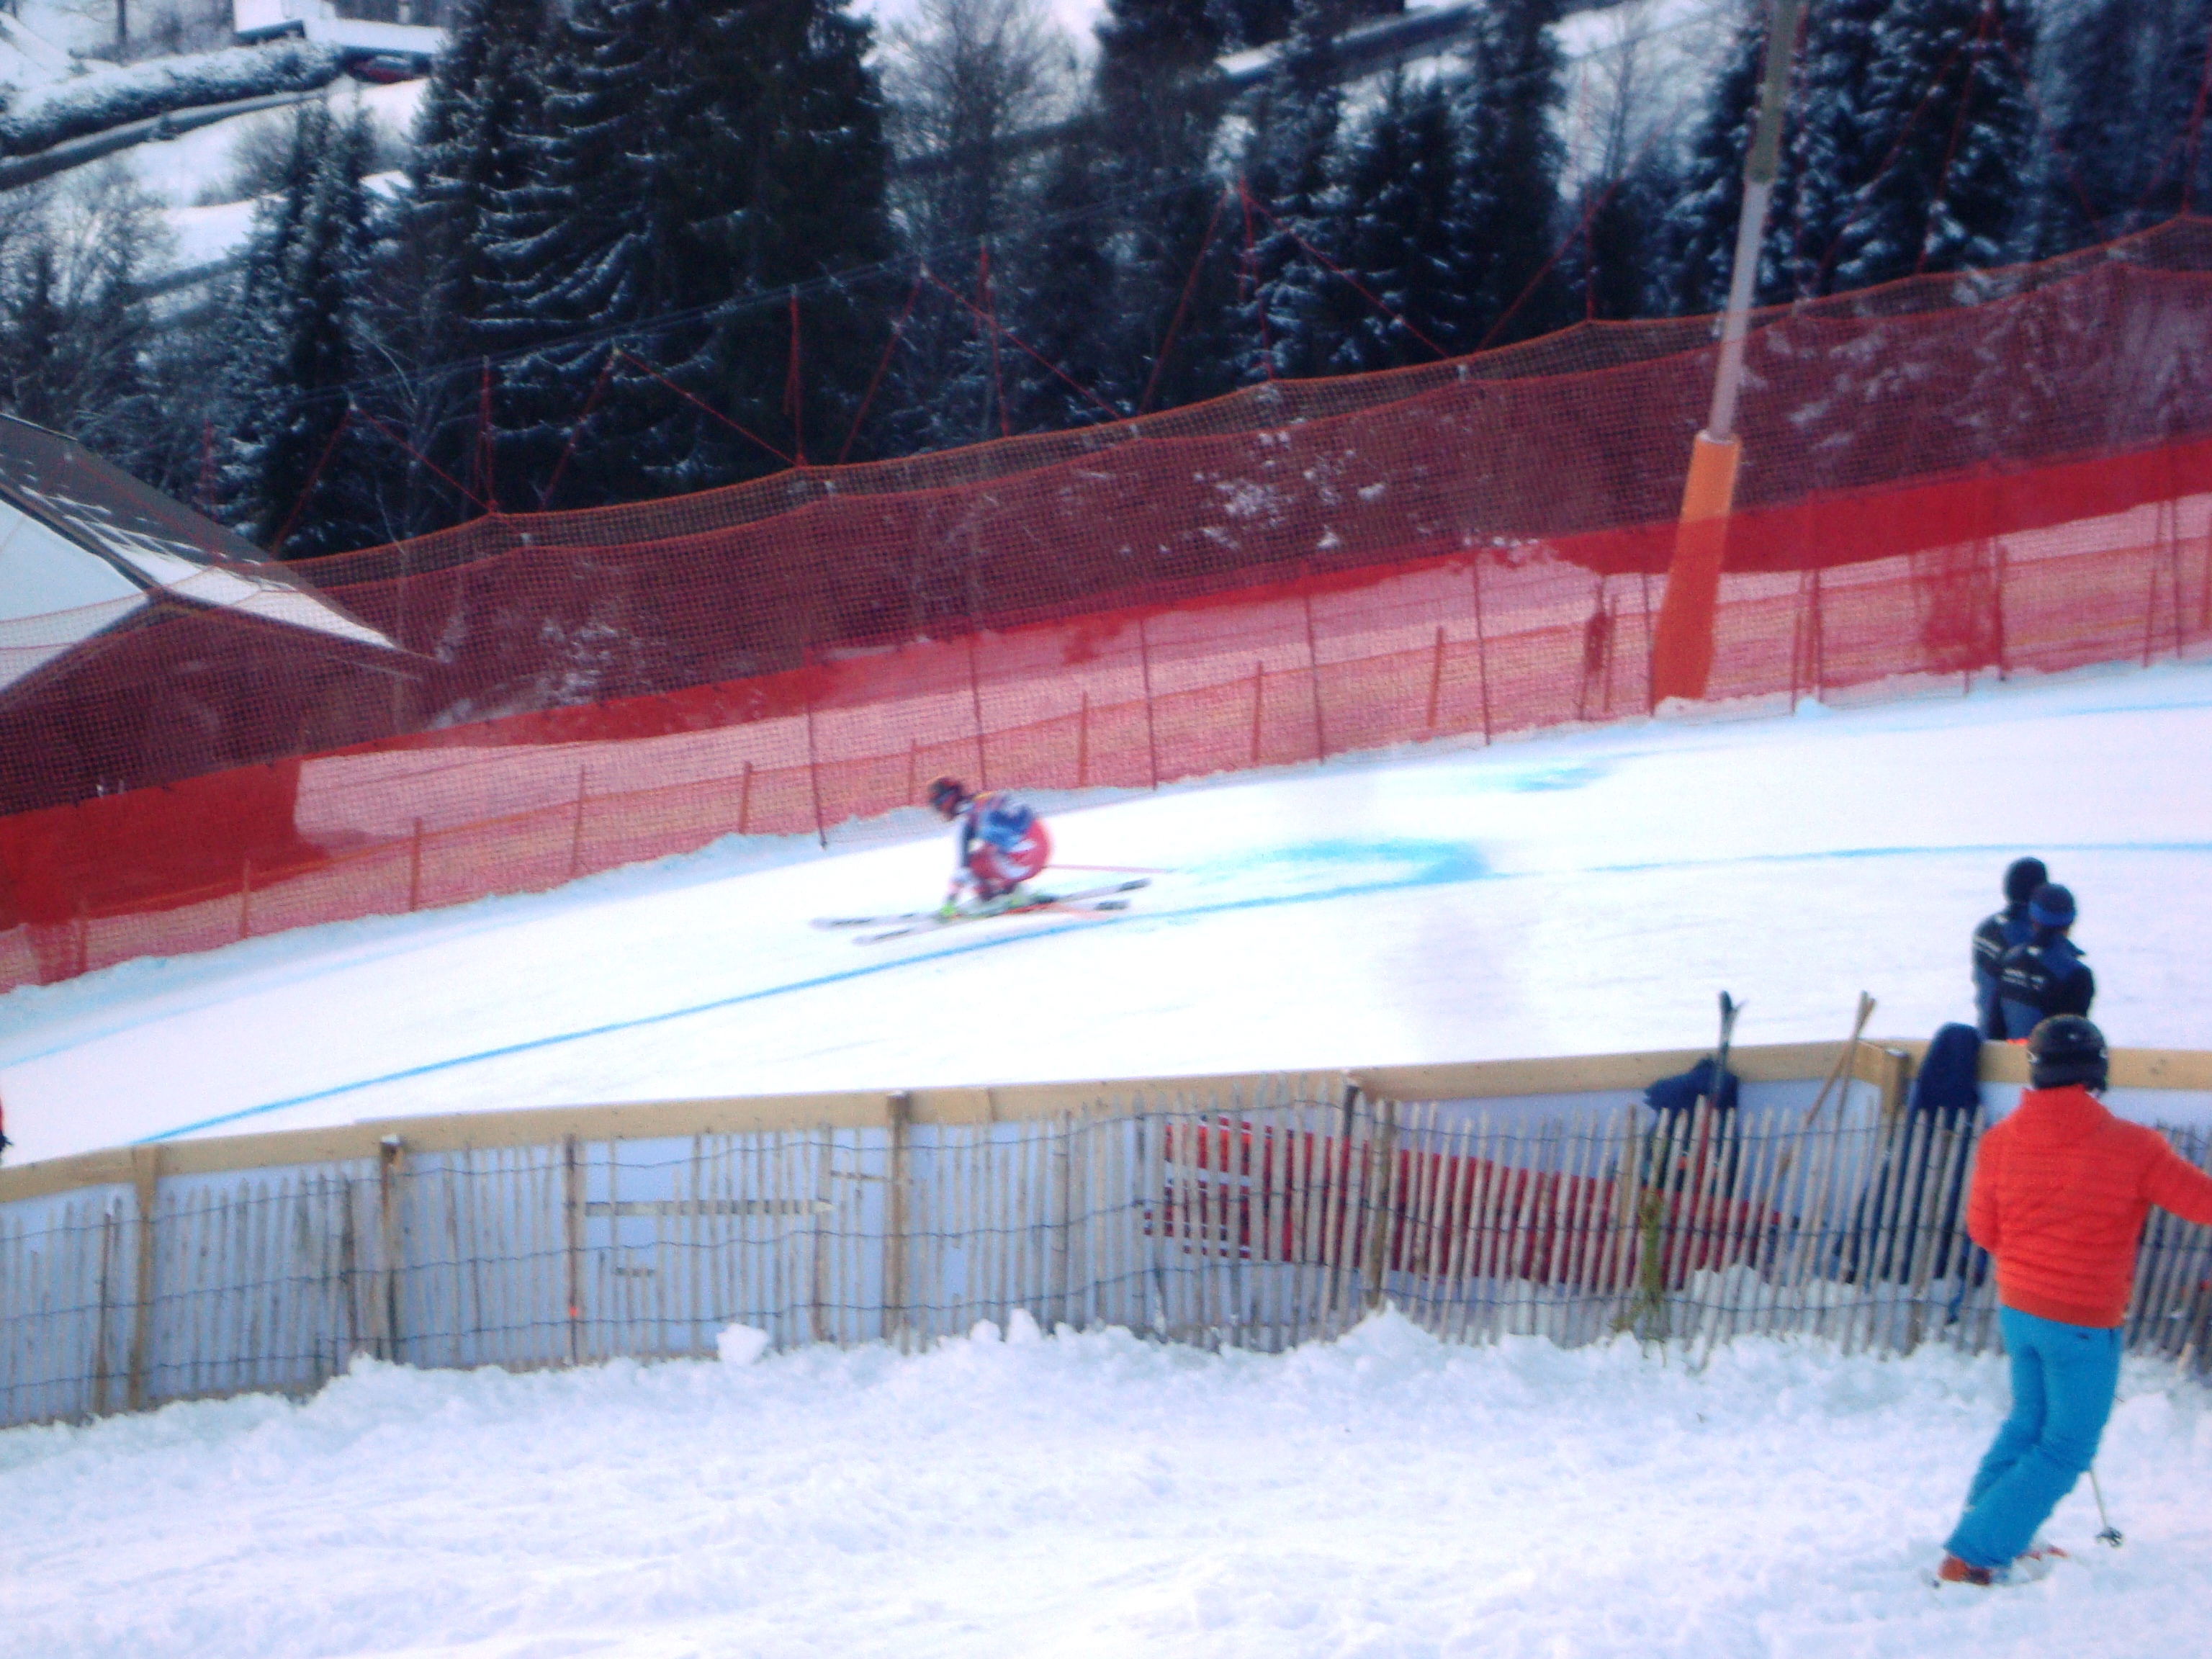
(2062, 1380)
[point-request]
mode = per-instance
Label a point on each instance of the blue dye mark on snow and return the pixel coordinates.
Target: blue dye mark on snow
(1339, 869)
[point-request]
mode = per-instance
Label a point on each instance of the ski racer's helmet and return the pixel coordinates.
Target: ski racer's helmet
(2022, 878)
(2066, 1048)
(946, 795)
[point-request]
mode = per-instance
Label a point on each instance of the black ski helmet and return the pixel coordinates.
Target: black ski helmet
(2023, 878)
(945, 794)
(2066, 1048)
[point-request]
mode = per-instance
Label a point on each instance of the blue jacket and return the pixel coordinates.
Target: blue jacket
(2041, 978)
(1997, 935)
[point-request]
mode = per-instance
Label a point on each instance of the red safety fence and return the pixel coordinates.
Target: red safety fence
(2001, 472)
(1473, 646)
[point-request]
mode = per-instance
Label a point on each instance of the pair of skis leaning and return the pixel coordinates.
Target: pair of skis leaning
(899, 924)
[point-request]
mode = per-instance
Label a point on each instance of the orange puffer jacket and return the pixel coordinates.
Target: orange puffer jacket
(2061, 1188)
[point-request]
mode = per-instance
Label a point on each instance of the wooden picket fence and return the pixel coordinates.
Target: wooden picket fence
(1258, 1212)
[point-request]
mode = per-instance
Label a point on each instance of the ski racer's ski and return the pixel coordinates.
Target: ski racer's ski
(899, 923)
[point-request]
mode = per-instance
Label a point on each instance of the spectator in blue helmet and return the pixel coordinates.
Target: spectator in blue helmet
(2046, 976)
(1998, 934)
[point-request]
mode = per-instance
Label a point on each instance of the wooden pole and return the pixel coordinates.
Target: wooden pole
(745, 796)
(111, 1223)
(1083, 741)
(390, 1164)
(1259, 703)
(246, 897)
(572, 1208)
(895, 1227)
(415, 869)
(146, 1179)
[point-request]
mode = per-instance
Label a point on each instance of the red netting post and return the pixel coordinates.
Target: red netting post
(576, 831)
(1997, 602)
(2150, 610)
(2173, 545)
(1152, 736)
(744, 796)
(415, 869)
(814, 776)
(976, 706)
(246, 897)
(1083, 741)
(1651, 696)
(1259, 703)
(1437, 679)
(1313, 681)
(1798, 629)
(1817, 647)
(1482, 647)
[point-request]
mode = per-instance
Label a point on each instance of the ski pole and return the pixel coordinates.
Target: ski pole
(2111, 1534)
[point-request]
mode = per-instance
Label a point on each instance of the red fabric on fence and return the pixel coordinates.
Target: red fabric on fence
(2004, 470)
(1457, 1216)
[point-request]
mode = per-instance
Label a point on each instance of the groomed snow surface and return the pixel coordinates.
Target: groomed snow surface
(1097, 1495)
(1575, 893)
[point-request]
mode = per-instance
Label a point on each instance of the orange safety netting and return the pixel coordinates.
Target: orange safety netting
(2004, 471)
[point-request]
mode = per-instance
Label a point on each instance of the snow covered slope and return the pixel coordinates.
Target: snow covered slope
(1096, 1495)
(1573, 894)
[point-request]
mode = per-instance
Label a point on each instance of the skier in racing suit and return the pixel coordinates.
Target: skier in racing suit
(1002, 843)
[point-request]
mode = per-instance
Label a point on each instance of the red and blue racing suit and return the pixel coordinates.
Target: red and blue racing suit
(1002, 842)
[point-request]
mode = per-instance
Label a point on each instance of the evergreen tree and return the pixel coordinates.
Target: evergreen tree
(1174, 295)
(1947, 106)
(1508, 195)
(1060, 305)
(476, 140)
(1700, 229)
(297, 468)
(708, 164)
(1832, 149)
(1608, 269)
(75, 328)
(2124, 147)
(1392, 230)
(965, 78)
(1291, 327)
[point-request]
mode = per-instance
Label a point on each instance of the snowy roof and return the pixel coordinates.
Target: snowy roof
(84, 546)
(266, 20)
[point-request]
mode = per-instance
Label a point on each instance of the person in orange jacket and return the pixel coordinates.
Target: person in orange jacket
(2060, 1194)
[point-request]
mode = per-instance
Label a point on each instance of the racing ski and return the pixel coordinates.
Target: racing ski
(896, 924)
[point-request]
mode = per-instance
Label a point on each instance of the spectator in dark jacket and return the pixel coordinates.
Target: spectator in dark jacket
(2046, 975)
(1998, 934)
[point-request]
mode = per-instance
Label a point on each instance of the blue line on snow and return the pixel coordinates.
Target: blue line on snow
(1452, 864)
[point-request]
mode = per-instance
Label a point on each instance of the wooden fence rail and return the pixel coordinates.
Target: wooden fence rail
(1255, 1213)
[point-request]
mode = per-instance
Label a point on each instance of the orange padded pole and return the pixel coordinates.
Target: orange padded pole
(1682, 644)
